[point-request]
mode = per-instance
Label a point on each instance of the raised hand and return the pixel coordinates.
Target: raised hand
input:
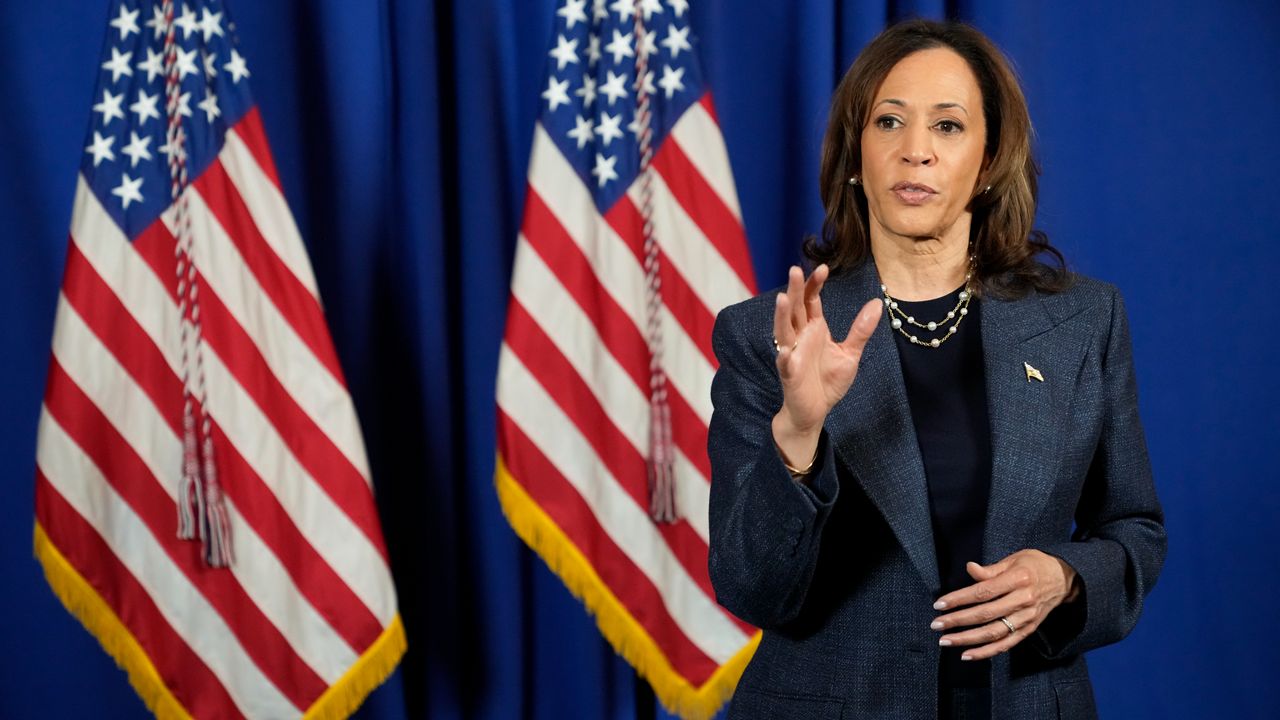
(816, 371)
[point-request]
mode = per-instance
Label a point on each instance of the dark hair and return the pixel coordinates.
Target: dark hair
(1004, 241)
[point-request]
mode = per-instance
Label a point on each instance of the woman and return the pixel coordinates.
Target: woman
(895, 508)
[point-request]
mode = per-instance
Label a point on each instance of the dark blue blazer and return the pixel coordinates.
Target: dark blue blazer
(841, 574)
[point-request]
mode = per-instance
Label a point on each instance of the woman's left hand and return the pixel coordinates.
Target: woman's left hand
(1022, 588)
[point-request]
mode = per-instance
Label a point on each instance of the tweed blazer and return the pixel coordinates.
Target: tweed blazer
(840, 572)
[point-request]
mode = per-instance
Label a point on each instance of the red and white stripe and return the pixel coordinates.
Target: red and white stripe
(310, 588)
(573, 377)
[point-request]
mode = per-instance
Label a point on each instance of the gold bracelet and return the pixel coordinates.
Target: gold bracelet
(797, 472)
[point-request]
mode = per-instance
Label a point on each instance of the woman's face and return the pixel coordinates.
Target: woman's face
(922, 148)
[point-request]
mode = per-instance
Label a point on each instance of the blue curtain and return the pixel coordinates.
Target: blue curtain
(402, 130)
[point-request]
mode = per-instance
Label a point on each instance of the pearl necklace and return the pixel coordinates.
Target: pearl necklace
(897, 317)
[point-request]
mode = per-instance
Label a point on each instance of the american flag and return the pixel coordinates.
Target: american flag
(194, 390)
(632, 241)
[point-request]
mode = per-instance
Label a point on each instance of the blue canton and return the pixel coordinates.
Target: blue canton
(589, 98)
(126, 158)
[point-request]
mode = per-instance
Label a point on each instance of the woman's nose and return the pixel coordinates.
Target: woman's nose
(917, 148)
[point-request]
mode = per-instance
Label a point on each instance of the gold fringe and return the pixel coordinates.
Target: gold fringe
(627, 636)
(83, 601)
(374, 666)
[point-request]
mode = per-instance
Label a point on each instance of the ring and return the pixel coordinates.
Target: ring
(1009, 625)
(778, 349)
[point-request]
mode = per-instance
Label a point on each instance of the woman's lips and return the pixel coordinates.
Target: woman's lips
(913, 195)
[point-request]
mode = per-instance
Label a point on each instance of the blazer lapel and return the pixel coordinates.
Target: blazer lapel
(1030, 380)
(871, 427)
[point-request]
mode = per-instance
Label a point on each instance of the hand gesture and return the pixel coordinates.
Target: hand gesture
(816, 371)
(1021, 589)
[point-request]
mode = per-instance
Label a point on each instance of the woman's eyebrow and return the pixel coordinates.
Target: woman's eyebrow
(949, 105)
(937, 106)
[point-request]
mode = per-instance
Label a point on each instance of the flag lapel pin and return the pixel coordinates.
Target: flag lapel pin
(1032, 372)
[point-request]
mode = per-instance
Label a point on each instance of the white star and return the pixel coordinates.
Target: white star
(645, 84)
(145, 107)
(677, 40)
(210, 107)
(137, 149)
(649, 7)
(566, 52)
(210, 24)
(236, 67)
(614, 87)
(648, 46)
(128, 191)
(154, 64)
(186, 63)
(126, 22)
(118, 64)
(593, 49)
(603, 170)
(588, 91)
(624, 8)
(101, 148)
(582, 131)
(184, 104)
(634, 126)
(210, 64)
(156, 23)
(557, 93)
(598, 12)
(671, 80)
(607, 129)
(187, 22)
(678, 6)
(620, 46)
(110, 107)
(572, 12)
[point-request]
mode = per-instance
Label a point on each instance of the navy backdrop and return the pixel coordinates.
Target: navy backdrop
(401, 130)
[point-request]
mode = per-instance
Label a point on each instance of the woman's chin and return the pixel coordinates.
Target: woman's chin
(914, 229)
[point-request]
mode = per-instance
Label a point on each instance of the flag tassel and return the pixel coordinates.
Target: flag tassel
(661, 466)
(201, 510)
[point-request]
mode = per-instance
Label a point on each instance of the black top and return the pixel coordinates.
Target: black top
(947, 391)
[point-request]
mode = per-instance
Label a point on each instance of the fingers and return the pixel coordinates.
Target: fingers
(813, 292)
(986, 612)
(863, 325)
(794, 307)
(795, 298)
(984, 590)
(1002, 590)
(994, 638)
(783, 334)
(1006, 589)
(802, 301)
(983, 572)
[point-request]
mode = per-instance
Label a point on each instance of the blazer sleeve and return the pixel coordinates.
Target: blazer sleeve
(1119, 544)
(765, 527)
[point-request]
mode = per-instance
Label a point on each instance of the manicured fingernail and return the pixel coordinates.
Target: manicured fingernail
(936, 625)
(939, 605)
(966, 657)
(944, 642)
